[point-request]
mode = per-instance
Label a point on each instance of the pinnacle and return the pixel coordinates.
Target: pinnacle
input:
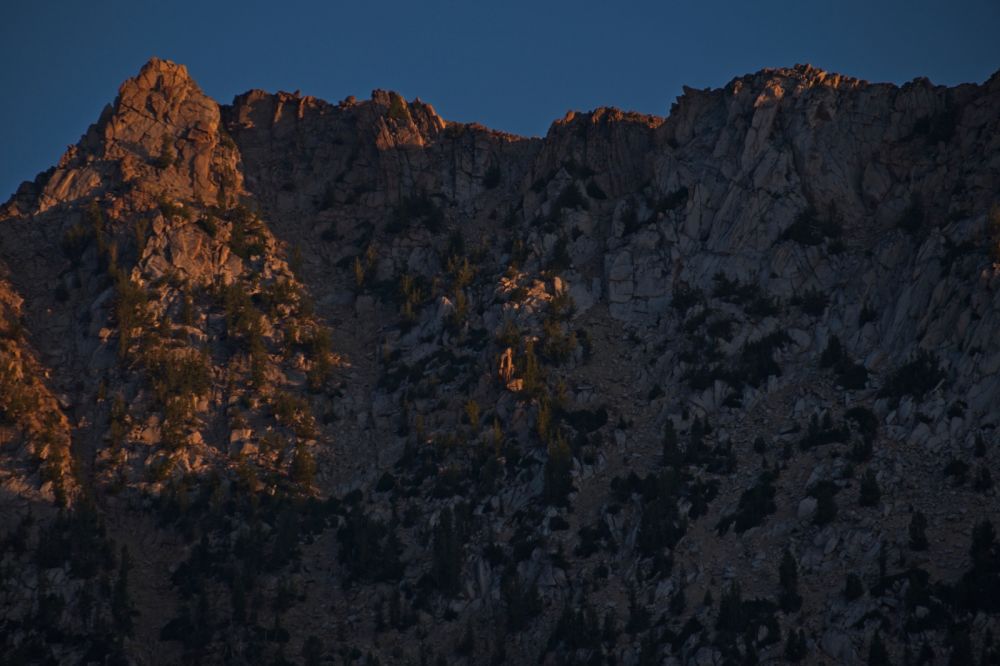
(155, 64)
(159, 74)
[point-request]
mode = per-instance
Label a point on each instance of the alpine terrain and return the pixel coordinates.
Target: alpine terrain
(287, 381)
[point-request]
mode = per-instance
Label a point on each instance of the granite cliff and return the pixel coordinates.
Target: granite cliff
(292, 381)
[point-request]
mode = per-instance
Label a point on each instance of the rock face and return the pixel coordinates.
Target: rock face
(286, 379)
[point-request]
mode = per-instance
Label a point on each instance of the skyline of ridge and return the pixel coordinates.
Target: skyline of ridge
(515, 69)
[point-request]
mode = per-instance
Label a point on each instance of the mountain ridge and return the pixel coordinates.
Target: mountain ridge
(320, 364)
(804, 74)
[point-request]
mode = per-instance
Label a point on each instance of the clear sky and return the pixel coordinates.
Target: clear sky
(511, 65)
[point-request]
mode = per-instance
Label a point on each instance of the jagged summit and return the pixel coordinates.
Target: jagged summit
(160, 75)
(163, 100)
(805, 75)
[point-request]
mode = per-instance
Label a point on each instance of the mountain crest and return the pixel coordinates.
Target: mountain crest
(162, 75)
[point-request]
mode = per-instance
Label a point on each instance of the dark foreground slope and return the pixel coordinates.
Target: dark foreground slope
(292, 381)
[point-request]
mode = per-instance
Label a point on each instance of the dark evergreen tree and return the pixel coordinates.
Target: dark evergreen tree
(826, 504)
(312, 651)
(303, 466)
(788, 574)
(877, 654)
(853, 587)
(638, 615)
(396, 609)
(918, 538)
(984, 480)
(649, 650)
(672, 455)
(696, 441)
(121, 605)
(678, 601)
(961, 648)
(870, 492)
(369, 548)
(522, 600)
(238, 599)
(467, 643)
(609, 629)
(795, 646)
(446, 566)
(558, 467)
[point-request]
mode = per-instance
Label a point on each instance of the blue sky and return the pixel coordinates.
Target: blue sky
(511, 65)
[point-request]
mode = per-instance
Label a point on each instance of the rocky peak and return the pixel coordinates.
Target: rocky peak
(159, 75)
(163, 98)
(794, 79)
(162, 120)
(161, 136)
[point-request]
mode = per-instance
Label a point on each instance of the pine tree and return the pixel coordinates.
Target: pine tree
(788, 574)
(918, 539)
(312, 651)
(609, 628)
(238, 600)
(359, 273)
(533, 381)
(638, 615)
(853, 587)
(985, 557)
(826, 504)
(961, 648)
(121, 605)
(678, 601)
(395, 609)
(877, 654)
(543, 421)
(558, 467)
(648, 650)
(398, 108)
(870, 492)
(167, 154)
(671, 451)
(732, 614)
(980, 449)
(446, 566)
(795, 646)
(696, 441)
(522, 600)
(984, 480)
(303, 466)
(467, 644)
